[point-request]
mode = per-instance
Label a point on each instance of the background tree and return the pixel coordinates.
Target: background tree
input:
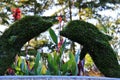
(27, 7)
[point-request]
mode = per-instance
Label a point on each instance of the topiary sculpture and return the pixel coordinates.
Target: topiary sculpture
(96, 44)
(17, 35)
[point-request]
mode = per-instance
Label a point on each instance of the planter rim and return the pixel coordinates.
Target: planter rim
(58, 77)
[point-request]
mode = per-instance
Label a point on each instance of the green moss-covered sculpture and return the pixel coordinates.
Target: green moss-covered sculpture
(96, 44)
(17, 35)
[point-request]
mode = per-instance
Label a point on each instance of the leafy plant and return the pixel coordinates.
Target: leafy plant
(55, 64)
(37, 68)
(70, 67)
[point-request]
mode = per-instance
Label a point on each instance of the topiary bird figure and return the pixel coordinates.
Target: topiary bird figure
(17, 35)
(96, 44)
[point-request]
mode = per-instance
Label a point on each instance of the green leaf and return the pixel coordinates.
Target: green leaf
(37, 62)
(72, 62)
(26, 70)
(17, 68)
(53, 65)
(39, 69)
(53, 36)
(19, 61)
(69, 66)
(62, 48)
(64, 68)
(77, 56)
(22, 66)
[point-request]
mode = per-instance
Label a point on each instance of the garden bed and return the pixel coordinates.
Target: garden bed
(55, 78)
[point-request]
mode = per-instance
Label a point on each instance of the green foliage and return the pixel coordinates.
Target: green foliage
(109, 1)
(36, 44)
(53, 64)
(96, 44)
(87, 13)
(37, 64)
(53, 36)
(62, 48)
(69, 67)
(18, 66)
(36, 6)
(118, 21)
(30, 52)
(37, 67)
(51, 18)
(88, 61)
(57, 67)
(17, 35)
(24, 67)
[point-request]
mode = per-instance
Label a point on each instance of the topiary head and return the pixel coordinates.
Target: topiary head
(75, 31)
(83, 33)
(34, 23)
